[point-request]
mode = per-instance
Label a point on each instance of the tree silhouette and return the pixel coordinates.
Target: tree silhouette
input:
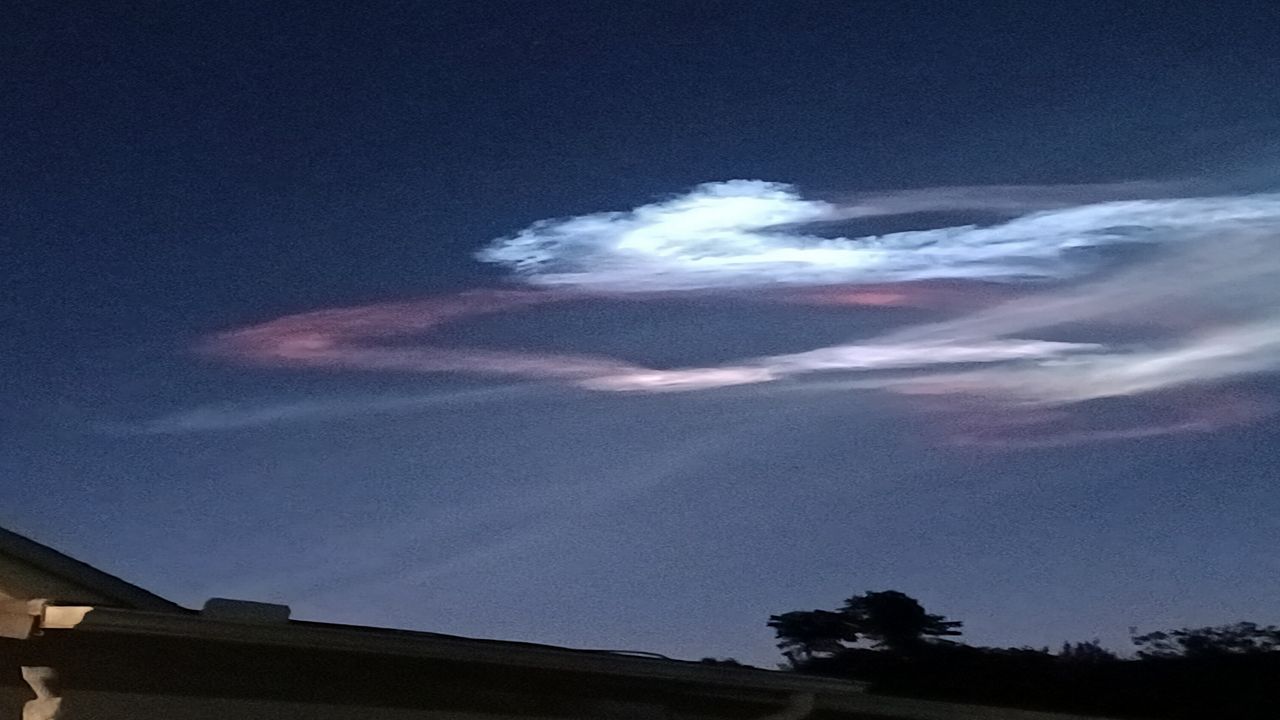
(1086, 652)
(887, 642)
(723, 662)
(1242, 638)
(890, 620)
(803, 635)
(896, 621)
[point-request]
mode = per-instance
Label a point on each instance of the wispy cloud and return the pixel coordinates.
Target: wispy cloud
(240, 416)
(419, 549)
(1210, 285)
(1222, 290)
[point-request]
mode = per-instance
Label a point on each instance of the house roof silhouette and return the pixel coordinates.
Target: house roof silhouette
(89, 640)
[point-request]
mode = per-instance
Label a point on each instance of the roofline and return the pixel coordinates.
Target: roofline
(423, 645)
(44, 558)
(828, 693)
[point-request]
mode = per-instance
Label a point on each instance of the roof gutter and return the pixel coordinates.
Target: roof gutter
(20, 619)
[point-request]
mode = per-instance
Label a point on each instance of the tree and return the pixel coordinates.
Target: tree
(1086, 652)
(890, 620)
(1243, 638)
(896, 621)
(723, 662)
(803, 635)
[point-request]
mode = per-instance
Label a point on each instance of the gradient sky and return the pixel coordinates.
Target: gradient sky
(183, 182)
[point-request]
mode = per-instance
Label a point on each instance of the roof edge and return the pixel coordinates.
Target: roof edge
(424, 645)
(831, 694)
(51, 561)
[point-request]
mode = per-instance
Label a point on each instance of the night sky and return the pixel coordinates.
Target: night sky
(346, 306)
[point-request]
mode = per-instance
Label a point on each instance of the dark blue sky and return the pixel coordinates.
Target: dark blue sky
(175, 169)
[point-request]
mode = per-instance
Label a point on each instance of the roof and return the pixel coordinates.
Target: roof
(434, 646)
(112, 610)
(394, 662)
(76, 581)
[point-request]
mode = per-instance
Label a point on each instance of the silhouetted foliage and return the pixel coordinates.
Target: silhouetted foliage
(1243, 638)
(814, 633)
(726, 662)
(1227, 672)
(896, 621)
(890, 620)
(1091, 651)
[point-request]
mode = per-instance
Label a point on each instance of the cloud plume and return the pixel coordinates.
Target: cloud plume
(1202, 307)
(752, 233)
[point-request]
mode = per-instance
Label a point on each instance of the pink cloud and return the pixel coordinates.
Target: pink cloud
(349, 338)
(972, 406)
(357, 338)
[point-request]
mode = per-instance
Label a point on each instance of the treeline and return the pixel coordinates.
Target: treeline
(888, 640)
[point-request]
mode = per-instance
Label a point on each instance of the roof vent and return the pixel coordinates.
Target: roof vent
(245, 611)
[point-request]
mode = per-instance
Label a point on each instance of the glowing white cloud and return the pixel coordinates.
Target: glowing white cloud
(1207, 301)
(750, 233)
(1219, 263)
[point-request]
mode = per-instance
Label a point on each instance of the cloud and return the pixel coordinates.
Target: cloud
(1217, 356)
(1203, 307)
(1222, 291)
(366, 338)
(751, 233)
(361, 338)
(847, 358)
(1220, 255)
(371, 338)
(240, 416)
(1011, 199)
